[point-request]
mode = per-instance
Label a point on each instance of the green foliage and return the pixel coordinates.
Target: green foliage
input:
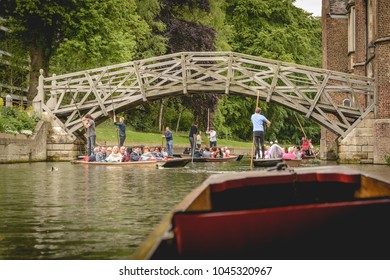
(113, 33)
(387, 158)
(77, 35)
(14, 120)
(273, 29)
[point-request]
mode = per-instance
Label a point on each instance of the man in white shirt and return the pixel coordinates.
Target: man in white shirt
(258, 131)
(212, 135)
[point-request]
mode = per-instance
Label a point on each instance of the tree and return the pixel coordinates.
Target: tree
(40, 26)
(273, 29)
(79, 34)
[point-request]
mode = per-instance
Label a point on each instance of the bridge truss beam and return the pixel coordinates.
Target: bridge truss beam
(336, 100)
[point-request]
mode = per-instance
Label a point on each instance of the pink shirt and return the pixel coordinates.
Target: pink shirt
(289, 156)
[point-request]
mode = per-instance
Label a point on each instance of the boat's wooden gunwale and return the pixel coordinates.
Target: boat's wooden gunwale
(209, 159)
(156, 163)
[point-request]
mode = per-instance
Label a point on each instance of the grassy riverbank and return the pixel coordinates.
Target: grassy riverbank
(106, 134)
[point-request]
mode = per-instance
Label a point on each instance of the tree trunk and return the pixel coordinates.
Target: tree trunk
(38, 61)
(178, 119)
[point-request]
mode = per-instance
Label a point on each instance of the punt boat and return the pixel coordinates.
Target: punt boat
(329, 212)
(269, 162)
(275, 161)
(173, 162)
(211, 159)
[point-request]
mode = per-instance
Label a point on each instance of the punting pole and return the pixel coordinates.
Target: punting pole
(208, 118)
(300, 125)
(113, 110)
(162, 139)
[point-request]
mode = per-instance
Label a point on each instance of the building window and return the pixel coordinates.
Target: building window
(347, 103)
(371, 21)
(351, 30)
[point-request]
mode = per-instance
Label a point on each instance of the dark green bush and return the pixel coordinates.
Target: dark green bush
(14, 119)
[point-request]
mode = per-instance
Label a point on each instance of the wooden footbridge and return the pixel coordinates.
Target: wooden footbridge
(336, 100)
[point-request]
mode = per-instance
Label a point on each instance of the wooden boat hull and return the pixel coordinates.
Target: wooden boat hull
(198, 159)
(174, 162)
(274, 161)
(267, 162)
(293, 162)
(326, 213)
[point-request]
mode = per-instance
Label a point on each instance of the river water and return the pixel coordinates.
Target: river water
(95, 212)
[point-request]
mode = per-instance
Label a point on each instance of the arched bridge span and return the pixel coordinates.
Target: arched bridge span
(336, 100)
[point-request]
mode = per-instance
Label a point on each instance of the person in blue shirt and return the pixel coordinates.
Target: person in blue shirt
(122, 130)
(169, 139)
(258, 121)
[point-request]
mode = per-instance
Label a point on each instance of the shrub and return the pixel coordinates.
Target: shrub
(14, 119)
(387, 158)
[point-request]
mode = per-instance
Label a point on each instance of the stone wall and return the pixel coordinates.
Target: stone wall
(49, 142)
(382, 140)
(22, 148)
(62, 146)
(358, 146)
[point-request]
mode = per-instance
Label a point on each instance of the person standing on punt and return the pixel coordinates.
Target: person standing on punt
(192, 136)
(258, 121)
(122, 130)
(213, 137)
(91, 133)
(169, 141)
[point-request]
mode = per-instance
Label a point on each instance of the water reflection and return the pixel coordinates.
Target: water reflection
(94, 212)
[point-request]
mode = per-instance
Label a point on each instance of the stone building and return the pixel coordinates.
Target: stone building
(356, 39)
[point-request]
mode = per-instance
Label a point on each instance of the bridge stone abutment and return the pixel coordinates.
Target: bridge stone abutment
(358, 145)
(60, 145)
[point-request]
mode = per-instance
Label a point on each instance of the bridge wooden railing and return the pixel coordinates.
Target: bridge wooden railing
(336, 100)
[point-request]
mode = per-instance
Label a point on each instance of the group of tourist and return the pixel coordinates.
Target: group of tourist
(292, 152)
(121, 153)
(206, 152)
(127, 154)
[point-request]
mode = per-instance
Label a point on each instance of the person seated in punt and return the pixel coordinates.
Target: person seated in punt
(109, 151)
(198, 153)
(92, 157)
(187, 151)
(115, 156)
(214, 152)
(298, 153)
(206, 152)
(122, 150)
(275, 151)
(102, 155)
(136, 153)
(227, 152)
(266, 152)
(147, 155)
(164, 152)
(290, 154)
(217, 152)
(157, 153)
(127, 156)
